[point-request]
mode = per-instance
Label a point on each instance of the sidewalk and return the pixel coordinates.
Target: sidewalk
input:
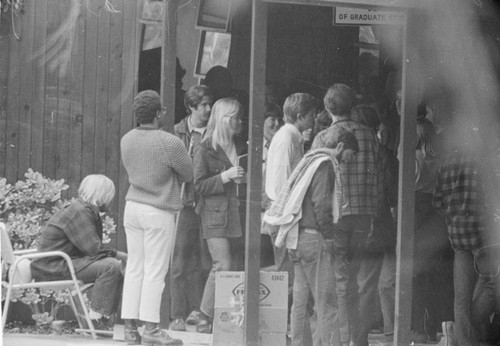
(189, 339)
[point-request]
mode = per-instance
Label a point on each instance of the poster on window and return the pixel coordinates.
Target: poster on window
(213, 50)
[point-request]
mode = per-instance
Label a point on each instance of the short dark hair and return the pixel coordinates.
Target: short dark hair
(349, 140)
(299, 103)
(339, 99)
(342, 135)
(194, 96)
(146, 106)
(218, 77)
(273, 110)
(323, 120)
(366, 115)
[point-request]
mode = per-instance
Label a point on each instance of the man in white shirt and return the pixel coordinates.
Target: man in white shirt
(287, 146)
(285, 152)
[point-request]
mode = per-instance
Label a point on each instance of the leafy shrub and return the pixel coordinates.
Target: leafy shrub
(27, 206)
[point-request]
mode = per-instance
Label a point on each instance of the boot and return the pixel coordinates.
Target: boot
(132, 336)
(154, 336)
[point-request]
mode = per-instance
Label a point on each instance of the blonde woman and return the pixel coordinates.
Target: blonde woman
(216, 173)
(77, 231)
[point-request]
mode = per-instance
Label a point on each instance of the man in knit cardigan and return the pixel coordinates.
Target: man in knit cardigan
(157, 163)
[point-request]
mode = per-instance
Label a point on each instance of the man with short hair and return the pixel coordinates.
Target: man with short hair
(186, 261)
(285, 152)
(356, 270)
(287, 147)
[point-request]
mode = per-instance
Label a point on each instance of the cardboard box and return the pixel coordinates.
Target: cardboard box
(228, 323)
(230, 319)
(230, 288)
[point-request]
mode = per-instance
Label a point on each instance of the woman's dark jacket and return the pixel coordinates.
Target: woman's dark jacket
(218, 205)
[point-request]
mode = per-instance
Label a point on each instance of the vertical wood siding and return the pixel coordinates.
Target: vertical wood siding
(67, 123)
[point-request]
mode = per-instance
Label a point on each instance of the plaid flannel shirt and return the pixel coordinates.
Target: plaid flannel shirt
(75, 230)
(459, 196)
(361, 180)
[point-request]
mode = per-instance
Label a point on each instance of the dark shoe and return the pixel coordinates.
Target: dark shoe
(102, 324)
(178, 325)
(194, 317)
(158, 337)
(204, 326)
(132, 337)
(419, 338)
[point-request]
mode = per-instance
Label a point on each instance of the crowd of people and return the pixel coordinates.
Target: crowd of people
(329, 196)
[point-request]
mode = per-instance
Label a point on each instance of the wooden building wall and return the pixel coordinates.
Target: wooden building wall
(67, 123)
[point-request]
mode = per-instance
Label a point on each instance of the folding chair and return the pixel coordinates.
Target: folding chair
(20, 278)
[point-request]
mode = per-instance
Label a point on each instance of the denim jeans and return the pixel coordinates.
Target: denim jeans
(467, 287)
(107, 278)
(185, 287)
(387, 290)
(484, 303)
(430, 243)
(313, 267)
(357, 272)
(220, 250)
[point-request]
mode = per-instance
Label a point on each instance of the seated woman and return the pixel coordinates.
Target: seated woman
(77, 231)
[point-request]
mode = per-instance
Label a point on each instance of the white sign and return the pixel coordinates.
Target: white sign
(363, 16)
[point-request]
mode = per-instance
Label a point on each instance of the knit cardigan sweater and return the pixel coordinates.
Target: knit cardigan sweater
(157, 163)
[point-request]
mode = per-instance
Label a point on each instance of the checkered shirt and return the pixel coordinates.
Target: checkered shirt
(360, 176)
(459, 196)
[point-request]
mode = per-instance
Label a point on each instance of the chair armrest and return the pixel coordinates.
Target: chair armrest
(24, 252)
(35, 255)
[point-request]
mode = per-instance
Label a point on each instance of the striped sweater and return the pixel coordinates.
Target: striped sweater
(156, 163)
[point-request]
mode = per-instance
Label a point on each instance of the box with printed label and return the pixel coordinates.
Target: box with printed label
(228, 323)
(273, 289)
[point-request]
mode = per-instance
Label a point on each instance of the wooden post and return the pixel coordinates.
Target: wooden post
(167, 94)
(406, 194)
(168, 55)
(254, 178)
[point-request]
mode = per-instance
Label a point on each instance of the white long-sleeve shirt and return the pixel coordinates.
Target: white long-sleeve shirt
(285, 152)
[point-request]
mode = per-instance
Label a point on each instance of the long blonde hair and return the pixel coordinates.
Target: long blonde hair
(97, 189)
(219, 126)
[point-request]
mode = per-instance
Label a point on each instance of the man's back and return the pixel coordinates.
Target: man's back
(360, 176)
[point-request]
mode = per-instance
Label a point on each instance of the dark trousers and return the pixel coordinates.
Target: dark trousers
(357, 271)
(430, 248)
(185, 274)
(108, 282)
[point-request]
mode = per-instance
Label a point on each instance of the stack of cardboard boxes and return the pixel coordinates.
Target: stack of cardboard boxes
(228, 326)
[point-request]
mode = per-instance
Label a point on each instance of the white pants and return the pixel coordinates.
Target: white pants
(150, 241)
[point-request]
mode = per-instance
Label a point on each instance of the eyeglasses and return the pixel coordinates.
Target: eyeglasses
(235, 117)
(161, 110)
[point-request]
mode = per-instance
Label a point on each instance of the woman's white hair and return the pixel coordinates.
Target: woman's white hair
(97, 189)
(219, 125)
